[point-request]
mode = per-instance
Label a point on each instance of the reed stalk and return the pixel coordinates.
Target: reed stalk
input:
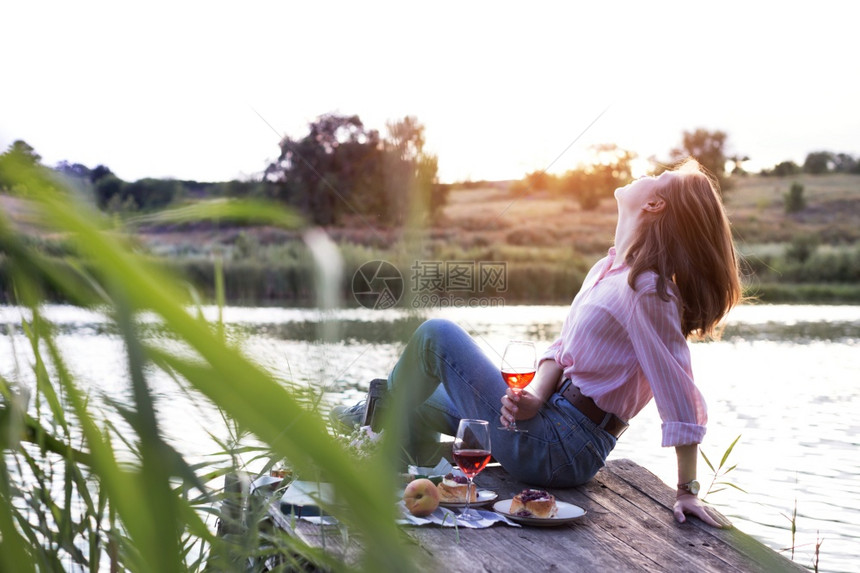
(89, 483)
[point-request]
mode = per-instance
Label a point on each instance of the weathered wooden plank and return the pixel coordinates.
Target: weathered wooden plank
(633, 547)
(640, 522)
(581, 540)
(732, 546)
(330, 537)
(503, 548)
(629, 527)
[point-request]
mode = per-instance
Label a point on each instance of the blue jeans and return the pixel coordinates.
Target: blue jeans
(451, 378)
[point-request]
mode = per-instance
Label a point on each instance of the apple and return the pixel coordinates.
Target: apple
(421, 497)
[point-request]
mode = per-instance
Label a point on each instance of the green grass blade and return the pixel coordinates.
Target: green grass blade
(13, 546)
(232, 210)
(729, 451)
(707, 461)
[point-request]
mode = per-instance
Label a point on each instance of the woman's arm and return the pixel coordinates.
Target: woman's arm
(686, 502)
(527, 404)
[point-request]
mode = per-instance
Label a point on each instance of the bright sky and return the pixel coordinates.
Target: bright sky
(174, 89)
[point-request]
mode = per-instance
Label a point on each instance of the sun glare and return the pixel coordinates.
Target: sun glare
(639, 166)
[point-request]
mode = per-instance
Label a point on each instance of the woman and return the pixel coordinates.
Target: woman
(672, 274)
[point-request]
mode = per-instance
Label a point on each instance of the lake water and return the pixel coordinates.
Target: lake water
(785, 378)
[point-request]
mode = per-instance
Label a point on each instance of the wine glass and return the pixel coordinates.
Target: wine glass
(518, 369)
(471, 452)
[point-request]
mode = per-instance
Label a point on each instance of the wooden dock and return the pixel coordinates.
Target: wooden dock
(629, 526)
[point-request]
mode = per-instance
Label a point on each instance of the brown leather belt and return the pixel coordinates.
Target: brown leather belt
(609, 422)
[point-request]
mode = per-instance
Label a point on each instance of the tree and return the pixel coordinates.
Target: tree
(538, 180)
(573, 184)
(114, 194)
(341, 168)
(609, 168)
(318, 173)
(613, 162)
(708, 148)
(845, 163)
(817, 162)
(410, 174)
(24, 151)
(73, 170)
(149, 193)
(76, 177)
(108, 191)
(98, 172)
(19, 155)
(783, 169)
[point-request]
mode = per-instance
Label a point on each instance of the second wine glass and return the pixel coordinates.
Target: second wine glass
(471, 452)
(518, 369)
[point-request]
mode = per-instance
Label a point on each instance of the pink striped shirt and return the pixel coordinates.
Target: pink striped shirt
(622, 347)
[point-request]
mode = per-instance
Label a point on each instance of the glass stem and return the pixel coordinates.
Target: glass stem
(468, 496)
(517, 393)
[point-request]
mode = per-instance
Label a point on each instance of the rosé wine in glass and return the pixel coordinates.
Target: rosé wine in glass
(518, 369)
(471, 452)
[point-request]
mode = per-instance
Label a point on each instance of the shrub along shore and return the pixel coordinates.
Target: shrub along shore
(832, 278)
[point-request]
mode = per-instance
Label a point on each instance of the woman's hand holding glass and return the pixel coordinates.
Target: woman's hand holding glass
(525, 405)
(518, 370)
(519, 406)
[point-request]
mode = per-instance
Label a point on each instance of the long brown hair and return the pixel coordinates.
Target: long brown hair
(689, 242)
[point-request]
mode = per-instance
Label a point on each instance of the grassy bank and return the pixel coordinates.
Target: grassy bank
(545, 242)
(805, 293)
(293, 283)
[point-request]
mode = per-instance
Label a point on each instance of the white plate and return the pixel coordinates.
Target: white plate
(567, 512)
(485, 496)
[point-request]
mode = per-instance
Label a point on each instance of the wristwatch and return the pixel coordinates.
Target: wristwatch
(689, 487)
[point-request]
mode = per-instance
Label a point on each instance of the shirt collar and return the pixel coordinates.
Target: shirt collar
(610, 260)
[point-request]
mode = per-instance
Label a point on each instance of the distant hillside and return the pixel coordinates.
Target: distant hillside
(493, 216)
(755, 205)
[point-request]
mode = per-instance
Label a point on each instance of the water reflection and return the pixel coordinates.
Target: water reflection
(376, 332)
(800, 323)
(798, 332)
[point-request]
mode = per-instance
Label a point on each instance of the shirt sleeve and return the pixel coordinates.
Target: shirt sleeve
(551, 353)
(664, 355)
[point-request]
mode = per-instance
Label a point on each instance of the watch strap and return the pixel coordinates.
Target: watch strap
(691, 487)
